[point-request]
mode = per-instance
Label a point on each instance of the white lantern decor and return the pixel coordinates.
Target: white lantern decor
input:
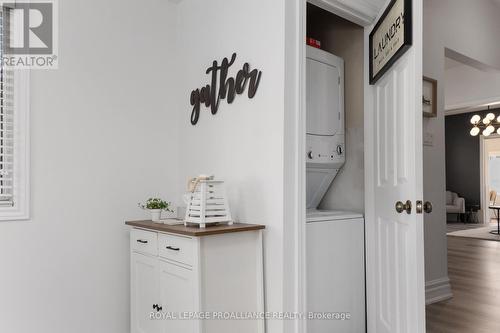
(207, 203)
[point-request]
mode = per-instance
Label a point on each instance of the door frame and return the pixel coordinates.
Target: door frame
(483, 176)
(363, 13)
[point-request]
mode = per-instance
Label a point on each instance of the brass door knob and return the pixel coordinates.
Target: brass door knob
(419, 207)
(401, 207)
(428, 207)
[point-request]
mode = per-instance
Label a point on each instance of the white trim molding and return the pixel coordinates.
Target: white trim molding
(361, 12)
(437, 290)
(484, 214)
(294, 268)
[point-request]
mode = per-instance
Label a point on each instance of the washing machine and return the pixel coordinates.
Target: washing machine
(335, 245)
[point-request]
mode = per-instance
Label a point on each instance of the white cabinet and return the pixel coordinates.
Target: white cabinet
(145, 281)
(179, 279)
(178, 295)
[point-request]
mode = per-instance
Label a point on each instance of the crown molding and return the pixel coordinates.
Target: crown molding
(361, 12)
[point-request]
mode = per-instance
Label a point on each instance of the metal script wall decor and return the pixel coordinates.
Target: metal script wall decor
(224, 87)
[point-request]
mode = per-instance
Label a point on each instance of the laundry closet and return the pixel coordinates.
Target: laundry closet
(335, 248)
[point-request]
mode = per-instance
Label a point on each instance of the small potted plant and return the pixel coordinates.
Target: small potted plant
(155, 206)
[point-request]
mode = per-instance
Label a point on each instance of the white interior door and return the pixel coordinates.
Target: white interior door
(394, 172)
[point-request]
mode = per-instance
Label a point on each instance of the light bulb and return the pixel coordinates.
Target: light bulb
(475, 131)
(486, 121)
(476, 119)
(486, 132)
(490, 116)
(498, 119)
(490, 129)
(498, 130)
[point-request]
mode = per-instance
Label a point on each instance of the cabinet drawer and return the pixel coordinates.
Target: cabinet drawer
(180, 249)
(144, 241)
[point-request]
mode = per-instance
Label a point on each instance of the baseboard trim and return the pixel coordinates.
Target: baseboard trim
(437, 290)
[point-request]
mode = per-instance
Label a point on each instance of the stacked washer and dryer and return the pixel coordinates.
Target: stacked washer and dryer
(334, 239)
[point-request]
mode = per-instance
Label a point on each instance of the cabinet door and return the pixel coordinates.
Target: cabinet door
(144, 293)
(179, 295)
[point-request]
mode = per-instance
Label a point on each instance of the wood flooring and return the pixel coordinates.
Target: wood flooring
(454, 226)
(474, 272)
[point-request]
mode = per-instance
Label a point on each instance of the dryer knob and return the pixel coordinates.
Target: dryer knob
(340, 150)
(310, 155)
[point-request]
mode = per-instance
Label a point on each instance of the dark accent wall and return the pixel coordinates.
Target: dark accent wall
(462, 157)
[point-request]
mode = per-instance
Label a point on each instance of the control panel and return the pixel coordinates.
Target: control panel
(325, 151)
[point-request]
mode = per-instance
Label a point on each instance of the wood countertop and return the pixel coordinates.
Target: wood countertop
(195, 231)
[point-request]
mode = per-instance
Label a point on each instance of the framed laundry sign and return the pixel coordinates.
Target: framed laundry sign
(390, 38)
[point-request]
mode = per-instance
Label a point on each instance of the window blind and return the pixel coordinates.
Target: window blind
(6, 120)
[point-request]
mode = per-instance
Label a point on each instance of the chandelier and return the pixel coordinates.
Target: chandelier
(486, 125)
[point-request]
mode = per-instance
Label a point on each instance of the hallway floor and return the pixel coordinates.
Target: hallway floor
(456, 226)
(474, 272)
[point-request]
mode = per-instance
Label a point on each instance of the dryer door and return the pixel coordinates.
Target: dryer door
(323, 98)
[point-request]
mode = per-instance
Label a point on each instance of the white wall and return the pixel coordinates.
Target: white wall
(104, 137)
(467, 86)
(470, 28)
(436, 264)
(243, 143)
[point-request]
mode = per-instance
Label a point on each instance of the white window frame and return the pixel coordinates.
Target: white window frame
(20, 210)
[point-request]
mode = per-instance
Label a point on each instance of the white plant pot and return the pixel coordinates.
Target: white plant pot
(155, 215)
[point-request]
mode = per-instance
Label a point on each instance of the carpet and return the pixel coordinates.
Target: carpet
(478, 233)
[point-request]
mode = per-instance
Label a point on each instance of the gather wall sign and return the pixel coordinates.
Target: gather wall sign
(224, 87)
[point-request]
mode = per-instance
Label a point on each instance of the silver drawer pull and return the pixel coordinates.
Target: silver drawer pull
(173, 248)
(142, 241)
